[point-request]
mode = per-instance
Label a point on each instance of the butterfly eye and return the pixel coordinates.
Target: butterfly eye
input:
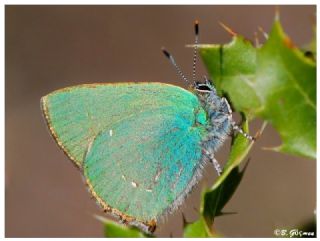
(202, 87)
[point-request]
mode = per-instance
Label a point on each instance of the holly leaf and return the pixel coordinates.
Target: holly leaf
(116, 230)
(197, 229)
(276, 82)
(215, 200)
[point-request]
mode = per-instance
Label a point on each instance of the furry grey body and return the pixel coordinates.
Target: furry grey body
(220, 121)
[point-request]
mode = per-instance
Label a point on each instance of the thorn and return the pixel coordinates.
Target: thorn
(226, 213)
(100, 218)
(229, 30)
(277, 13)
(288, 42)
(275, 148)
(260, 131)
(256, 38)
(265, 35)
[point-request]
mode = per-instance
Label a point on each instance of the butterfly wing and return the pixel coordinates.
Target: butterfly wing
(146, 164)
(138, 144)
(75, 115)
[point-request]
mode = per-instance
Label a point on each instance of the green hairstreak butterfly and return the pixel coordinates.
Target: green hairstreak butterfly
(140, 146)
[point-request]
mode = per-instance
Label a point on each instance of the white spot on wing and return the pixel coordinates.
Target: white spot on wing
(148, 190)
(90, 145)
(110, 132)
(134, 184)
(157, 175)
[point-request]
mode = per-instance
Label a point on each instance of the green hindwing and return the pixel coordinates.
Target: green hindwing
(132, 141)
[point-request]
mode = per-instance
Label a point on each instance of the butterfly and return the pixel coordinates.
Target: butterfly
(141, 147)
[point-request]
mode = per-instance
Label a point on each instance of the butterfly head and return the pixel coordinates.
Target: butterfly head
(205, 87)
(207, 94)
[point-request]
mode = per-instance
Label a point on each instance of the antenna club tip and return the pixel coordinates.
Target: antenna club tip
(166, 53)
(196, 27)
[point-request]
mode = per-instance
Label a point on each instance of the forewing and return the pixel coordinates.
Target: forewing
(76, 115)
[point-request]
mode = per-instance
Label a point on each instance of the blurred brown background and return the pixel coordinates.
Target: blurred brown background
(50, 47)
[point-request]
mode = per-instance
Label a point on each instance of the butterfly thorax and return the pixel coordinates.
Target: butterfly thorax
(218, 120)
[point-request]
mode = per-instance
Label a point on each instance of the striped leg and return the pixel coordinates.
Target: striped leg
(214, 162)
(235, 127)
(216, 165)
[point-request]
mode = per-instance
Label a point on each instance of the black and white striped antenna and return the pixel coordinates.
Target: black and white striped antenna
(173, 62)
(195, 51)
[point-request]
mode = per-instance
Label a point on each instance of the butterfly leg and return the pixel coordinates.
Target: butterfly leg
(235, 127)
(216, 165)
(226, 107)
(214, 162)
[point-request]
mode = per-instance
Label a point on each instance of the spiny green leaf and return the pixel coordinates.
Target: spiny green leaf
(286, 80)
(197, 229)
(215, 200)
(275, 82)
(115, 230)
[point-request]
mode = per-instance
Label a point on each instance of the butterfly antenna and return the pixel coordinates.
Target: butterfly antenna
(173, 62)
(195, 51)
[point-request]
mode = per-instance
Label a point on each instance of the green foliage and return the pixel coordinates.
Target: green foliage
(276, 82)
(115, 230)
(198, 229)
